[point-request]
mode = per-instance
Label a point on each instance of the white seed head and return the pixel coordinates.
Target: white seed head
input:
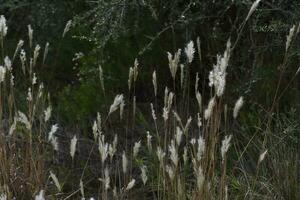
(101, 78)
(2, 73)
(289, 38)
(149, 141)
(154, 81)
(208, 111)
(238, 105)
(124, 162)
(130, 185)
(136, 148)
(30, 35)
(225, 145)
(73, 146)
(67, 28)
(178, 135)
(46, 52)
(117, 102)
(47, 113)
(173, 153)
(189, 51)
(3, 27)
(201, 148)
(55, 180)
(144, 174)
(24, 120)
(160, 154)
(39, 196)
(103, 148)
(170, 172)
(7, 63)
(53, 130)
(173, 62)
(262, 156)
(252, 9)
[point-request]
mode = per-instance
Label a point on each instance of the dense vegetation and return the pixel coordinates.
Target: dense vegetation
(149, 99)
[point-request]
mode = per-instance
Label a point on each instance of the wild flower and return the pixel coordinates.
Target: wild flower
(2, 73)
(47, 113)
(40, 196)
(189, 51)
(173, 62)
(7, 63)
(225, 145)
(73, 146)
(154, 81)
(30, 35)
(117, 102)
(124, 162)
(3, 27)
(144, 174)
(178, 136)
(53, 130)
(130, 185)
(136, 148)
(67, 28)
(237, 107)
(262, 156)
(24, 120)
(55, 180)
(173, 153)
(289, 38)
(208, 111)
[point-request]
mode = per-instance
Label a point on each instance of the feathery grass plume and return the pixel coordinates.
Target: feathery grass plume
(160, 155)
(199, 100)
(53, 130)
(181, 75)
(217, 76)
(3, 196)
(201, 148)
(117, 102)
(112, 148)
(23, 59)
(103, 148)
(36, 54)
(185, 155)
(154, 81)
(153, 112)
(252, 9)
(7, 63)
(34, 79)
(149, 141)
(95, 130)
(189, 51)
(173, 153)
(130, 77)
(199, 121)
(122, 105)
(54, 143)
(173, 62)
(40, 91)
(193, 141)
(73, 146)
(13, 126)
(81, 188)
(130, 185)
(30, 35)
(29, 95)
(168, 104)
(289, 38)
(135, 70)
(24, 120)
(144, 176)
(2, 73)
(178, 119)
(178, 136)
(67, 28)
(106, 179)
(3, 27)
(19, 46)
(40, 196)
(47, 113)
(187, 125)
(170, 172)
(238, 105)
(124, 162)
(136, 148)
(46, 52)
(199, 176)
(208, 111)
(225, 145)
(55, 180)
(101, 78)
(262, 156)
